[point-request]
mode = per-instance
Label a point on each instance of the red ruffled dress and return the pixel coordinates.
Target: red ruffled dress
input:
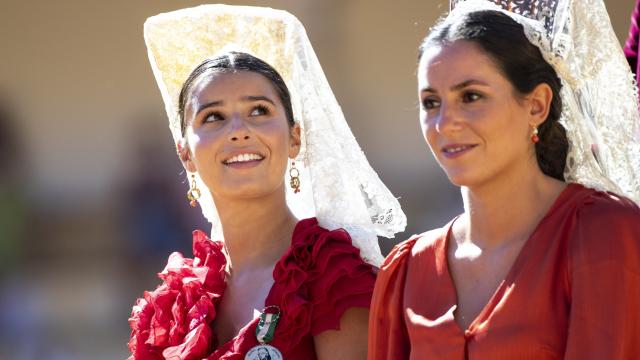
(319, 277)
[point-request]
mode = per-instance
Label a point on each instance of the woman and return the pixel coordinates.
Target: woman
(275, 287)
(538, 265)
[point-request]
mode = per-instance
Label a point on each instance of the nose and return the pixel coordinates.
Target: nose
(238, 129)
(447, 119)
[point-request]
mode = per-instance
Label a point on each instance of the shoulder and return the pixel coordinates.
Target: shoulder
(600, 206)
(418, 246)
(315, 246)
(599, 213)
(323, 273)
(607, 229)
(188, 285)
(320, 258)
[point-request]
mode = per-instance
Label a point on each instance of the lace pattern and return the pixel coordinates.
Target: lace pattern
(599, 93)
(339, 187)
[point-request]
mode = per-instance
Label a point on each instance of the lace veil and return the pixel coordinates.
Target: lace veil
(600, 109)
(339, 187)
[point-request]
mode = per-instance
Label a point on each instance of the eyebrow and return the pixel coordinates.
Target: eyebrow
(245, 98)
(259, 98)
(208, 105)
(459, 86)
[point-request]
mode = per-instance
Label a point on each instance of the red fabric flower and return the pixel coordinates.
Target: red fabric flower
(173, 321)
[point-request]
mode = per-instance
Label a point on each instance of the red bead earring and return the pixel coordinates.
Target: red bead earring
(534, 137)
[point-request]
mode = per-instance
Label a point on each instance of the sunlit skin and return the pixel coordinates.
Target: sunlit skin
(229, 114)
(479, 129)
(475, 108)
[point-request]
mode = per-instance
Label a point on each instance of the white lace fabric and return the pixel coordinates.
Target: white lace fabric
(599, 93)
(339, 187)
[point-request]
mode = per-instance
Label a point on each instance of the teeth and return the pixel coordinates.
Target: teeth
(455, 149)
(243, 158)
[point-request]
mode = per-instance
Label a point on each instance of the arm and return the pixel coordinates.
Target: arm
(348, 343)
(604, 277)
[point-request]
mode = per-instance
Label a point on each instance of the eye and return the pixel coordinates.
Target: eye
(214, 116)
(429, 103)
(470, 96)
(259, 110)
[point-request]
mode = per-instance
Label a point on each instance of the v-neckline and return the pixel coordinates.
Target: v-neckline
(228, 344)
(514, 270)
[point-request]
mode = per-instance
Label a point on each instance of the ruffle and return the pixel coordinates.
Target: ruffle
(173, 321)
(319, 277)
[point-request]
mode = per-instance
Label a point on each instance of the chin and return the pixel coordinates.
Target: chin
(249, 189)
(463, 178)
(246, 192)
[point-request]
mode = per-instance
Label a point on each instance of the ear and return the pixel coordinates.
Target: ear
(540, 103)
(184, 153)
(294, 145)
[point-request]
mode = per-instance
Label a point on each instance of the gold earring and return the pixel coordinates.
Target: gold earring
(534, 137)
(295, 177)
(194, 193)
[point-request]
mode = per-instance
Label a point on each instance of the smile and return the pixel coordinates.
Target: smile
(456, 150)
(242, 158)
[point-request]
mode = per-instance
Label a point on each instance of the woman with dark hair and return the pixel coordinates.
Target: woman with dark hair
(247, 101)
(540, 264)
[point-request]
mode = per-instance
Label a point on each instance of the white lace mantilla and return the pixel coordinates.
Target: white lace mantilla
(339, 186)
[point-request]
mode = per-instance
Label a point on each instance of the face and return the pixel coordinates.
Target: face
(475, 123)
(238, 138)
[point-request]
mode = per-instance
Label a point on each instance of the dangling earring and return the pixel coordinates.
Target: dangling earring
(194, 193)
(534, 137)
(295, 177)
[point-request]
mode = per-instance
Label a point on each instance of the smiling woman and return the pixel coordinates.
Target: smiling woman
(269, 285)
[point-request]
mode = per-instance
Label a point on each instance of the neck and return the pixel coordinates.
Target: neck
(256, 231)
(507, 208)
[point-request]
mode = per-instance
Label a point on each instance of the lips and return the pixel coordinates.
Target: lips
(455, 150)
(242, 158)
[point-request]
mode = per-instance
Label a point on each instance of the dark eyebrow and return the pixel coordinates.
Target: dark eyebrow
(459, 86)
(466, 83)
(208, 105)
(259, 98)
(246, 98)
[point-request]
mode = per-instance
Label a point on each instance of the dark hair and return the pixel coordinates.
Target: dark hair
(229, 63)
(503, 39)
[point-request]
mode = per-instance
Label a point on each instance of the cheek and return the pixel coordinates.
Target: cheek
(503, 134)
(275, 136)
(204, 144)
(428, 130)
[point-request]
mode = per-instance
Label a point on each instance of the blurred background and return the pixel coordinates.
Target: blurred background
(92, 196)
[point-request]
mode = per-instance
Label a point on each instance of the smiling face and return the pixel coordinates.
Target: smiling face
(475, 123)
(237, 135)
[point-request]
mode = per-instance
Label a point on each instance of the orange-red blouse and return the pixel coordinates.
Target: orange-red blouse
(573, 292)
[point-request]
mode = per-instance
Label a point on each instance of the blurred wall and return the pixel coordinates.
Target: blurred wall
(96, 159)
